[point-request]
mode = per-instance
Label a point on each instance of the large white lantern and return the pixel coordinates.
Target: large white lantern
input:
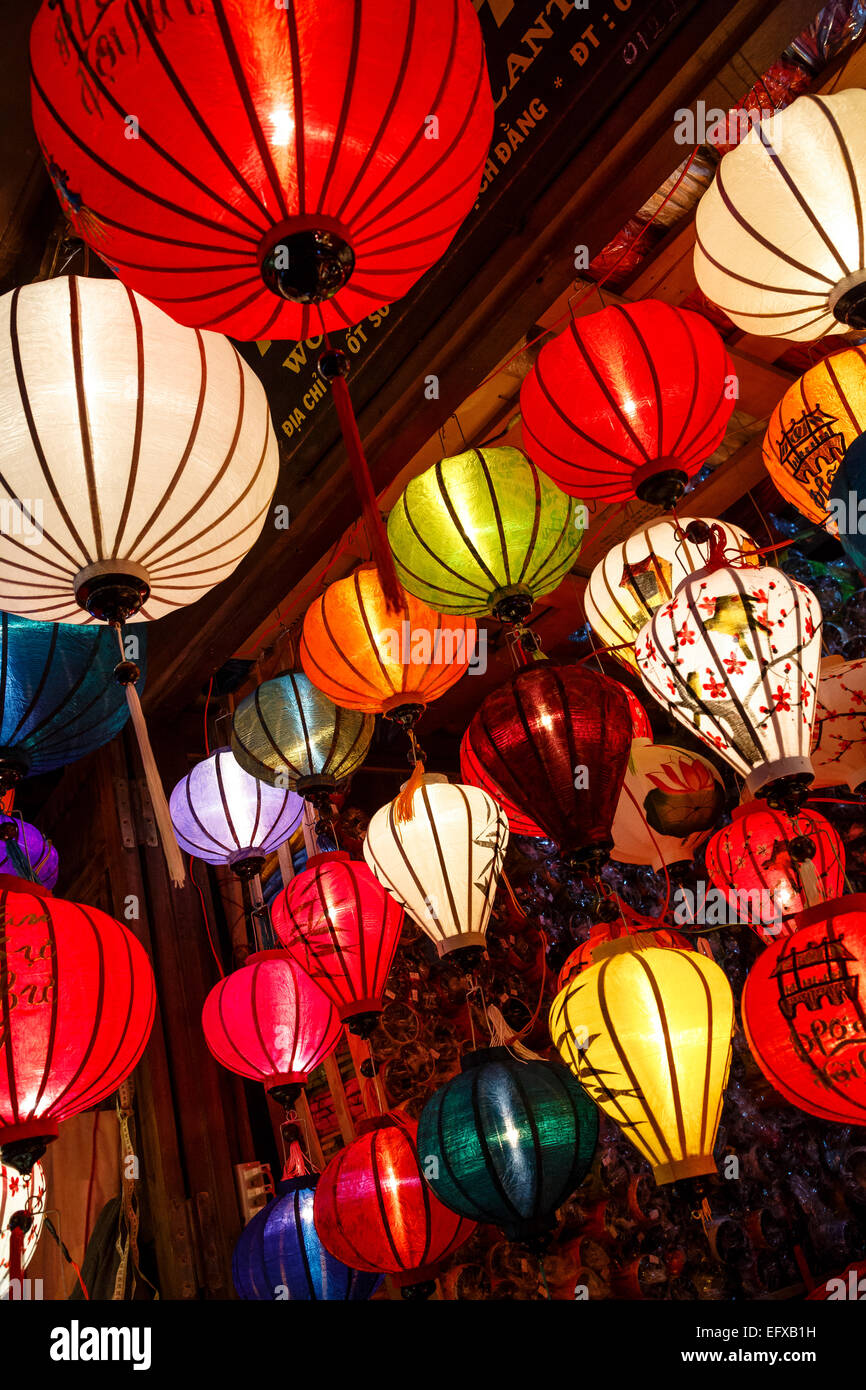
(443, 865)
(636, 577)
(734, 656)
(138, 456)
(780, 241)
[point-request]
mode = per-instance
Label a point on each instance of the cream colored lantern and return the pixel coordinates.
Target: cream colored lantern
(839, 735)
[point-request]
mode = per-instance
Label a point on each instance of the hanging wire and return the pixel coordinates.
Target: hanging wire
(206, 704)
(205, 916)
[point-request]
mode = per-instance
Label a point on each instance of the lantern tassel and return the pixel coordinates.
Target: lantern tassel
(501, 1035)
(403, 803)
(376, 534)
(811, 884)
(170, 847)
(16, 1256)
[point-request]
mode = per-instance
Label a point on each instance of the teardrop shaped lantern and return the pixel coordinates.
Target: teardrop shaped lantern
(26, 853)
(222, 815)
(671, 799)
(780, 245)
(629, 923)
(816, 420)
(803, 1012)
(342, 927)
(775, 865)
(556, 740)
(734, 657)
(839, 734)
(284, 156)
(647, 1032)
(19, 1193)
(507, 1141)
(287, 733)
(270, 1022)
(140, 453)
(365, 657)
(637, 576)
(629, 401)
(374, 1211)
(483, 532)
(279, 1255)
(474, 774)
(444, 864)
(77, 1002)
(59, 699)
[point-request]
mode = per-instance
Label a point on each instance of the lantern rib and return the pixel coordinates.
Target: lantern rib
(380, 1200)
(549, 566)
(673, 1079)
(537, 1150)
(85, 1052)
(449, 569)
(803, 202)
(443, 863)
(489, 1164)
(229, 561)
(135, 453)
(640, 1098)
(347, 89)
(757, 236)
(615, 405)
(529, 549)
(686, 956)
(463, 533)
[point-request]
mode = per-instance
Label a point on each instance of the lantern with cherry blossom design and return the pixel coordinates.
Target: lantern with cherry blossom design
(671, 799)
(839, 734)
(734, 656)
(19, 1192)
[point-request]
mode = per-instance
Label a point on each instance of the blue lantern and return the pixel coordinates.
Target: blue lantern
(279, 1256)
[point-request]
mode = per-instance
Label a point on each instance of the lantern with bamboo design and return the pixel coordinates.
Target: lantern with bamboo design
(629, 401)
(640, 574)
(734, 657)
(776, 865)
(342, 927)
(780, 245)
(484, 532)
(647, 1032)
(443, 861)
(508, 1140)
(839, 734)
(803, 1011)
(556, 738)
(816, 420)
(271, 1023)
(671, 799)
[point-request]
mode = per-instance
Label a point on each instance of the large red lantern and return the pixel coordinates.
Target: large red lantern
(776, 865)
(804, 1012)
(628, 924)
(77, 1002)
(374, 1210)
(556, 740)
(270, 1022)
(628, 401)
(339, 923)
(229, 157)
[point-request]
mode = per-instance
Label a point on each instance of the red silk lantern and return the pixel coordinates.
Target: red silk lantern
(270, 1022)
(628, 924)
(628, 401)
(319, 154)
(556, 740)
(341, 926)
(804, 1012)
(372, 1201)
(77, 1001)
(777, 865)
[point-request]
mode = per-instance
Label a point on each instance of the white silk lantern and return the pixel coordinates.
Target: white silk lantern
(138, 456)
(779, 232)
(670, 801)
(19, 1192)
(444, 863)
(839, 736)
(734, 656)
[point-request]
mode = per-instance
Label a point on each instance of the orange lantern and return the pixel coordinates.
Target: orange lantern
(364, 656)
(810, 429)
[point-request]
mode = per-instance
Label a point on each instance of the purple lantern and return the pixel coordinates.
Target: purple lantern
(26, 853)
(224, 816)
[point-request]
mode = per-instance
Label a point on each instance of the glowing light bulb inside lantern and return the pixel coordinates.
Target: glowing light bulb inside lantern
(283, 126)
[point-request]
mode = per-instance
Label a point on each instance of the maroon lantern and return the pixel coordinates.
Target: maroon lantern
(556, 739)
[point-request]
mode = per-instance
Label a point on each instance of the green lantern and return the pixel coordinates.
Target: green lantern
(287, 733)
(484, 532)
(507, 1141)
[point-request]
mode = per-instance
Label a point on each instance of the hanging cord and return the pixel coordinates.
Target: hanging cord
(403, 802)
(206, 921)
(127, 673)
(503, 1035)
(206, 704)
(374, 1070)
(510, 891)
(92, 1182)
(544, 1277)
(49, 1226)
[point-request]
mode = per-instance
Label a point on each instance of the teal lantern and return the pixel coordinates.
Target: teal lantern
(287, 733)
(844, 506)
(507, 1141)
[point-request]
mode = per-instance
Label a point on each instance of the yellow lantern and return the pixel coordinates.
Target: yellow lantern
(780, 243)
(636, 577)
(810, 429)
(647, 1032)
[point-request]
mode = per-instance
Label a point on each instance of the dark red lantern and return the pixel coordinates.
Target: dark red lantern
(77, 1002)
(556, 740)
(339, 923)
(628, 924)
(270, 1022)
(804, 1011)
(776, 865)
(628, 401)
(375, 1211)
(474, 773)
(226, 158)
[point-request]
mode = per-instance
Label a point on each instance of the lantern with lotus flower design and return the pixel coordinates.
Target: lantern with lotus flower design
(671, 799)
